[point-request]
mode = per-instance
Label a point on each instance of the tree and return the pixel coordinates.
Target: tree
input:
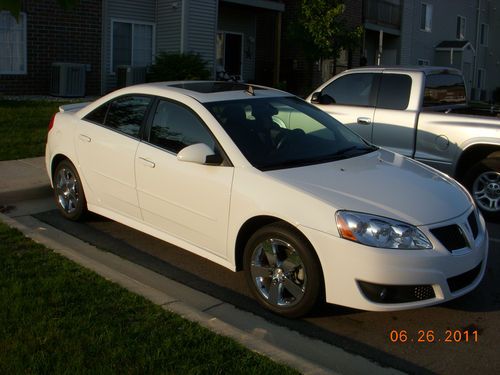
(14, 6)
(325, 31)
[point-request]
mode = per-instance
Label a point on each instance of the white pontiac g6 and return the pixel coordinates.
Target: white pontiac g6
(258, 180)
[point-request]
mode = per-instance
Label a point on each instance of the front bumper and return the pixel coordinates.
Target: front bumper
(436, 275)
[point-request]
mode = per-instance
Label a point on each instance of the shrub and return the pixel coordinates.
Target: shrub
(178, 67)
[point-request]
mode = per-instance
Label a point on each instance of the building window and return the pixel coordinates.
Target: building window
(461, 27)
(132, 44)
(423, 62)
(426, 17)
(12, 44)
(484, 34)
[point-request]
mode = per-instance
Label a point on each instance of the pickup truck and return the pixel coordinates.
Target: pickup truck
(421, 113)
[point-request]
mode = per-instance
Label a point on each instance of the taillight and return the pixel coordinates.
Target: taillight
(51, 123)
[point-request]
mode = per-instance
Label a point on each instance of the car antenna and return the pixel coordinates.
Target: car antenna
(250, 90)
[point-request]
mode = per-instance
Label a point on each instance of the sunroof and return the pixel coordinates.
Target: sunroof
(210, 87)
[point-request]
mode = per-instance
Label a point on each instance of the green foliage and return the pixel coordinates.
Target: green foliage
(59, 318)
(324, 30)
(23, 127)
(178, 67)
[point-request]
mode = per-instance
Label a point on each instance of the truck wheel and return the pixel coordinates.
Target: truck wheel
(483, 182)
(68, 191)
(283, 271)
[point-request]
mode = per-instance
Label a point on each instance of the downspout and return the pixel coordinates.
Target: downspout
(183, 26)
(277, 50)
(104, 33)
(476, 54)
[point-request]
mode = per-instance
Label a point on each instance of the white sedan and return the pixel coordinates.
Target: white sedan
(258, 180)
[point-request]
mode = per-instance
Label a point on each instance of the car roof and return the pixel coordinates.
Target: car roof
(209, 91)
(427, 69)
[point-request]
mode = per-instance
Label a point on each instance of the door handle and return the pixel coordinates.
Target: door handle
(364, 120)
(147, 162)
(84, 138)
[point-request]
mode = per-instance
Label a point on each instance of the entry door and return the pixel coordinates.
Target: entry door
(187, 200)
(229, 54)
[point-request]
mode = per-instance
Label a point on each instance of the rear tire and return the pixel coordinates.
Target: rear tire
(483, 182)
(283, 271)
(68, 191)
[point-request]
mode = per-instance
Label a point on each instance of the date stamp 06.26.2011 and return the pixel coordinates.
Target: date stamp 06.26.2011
(433, 336)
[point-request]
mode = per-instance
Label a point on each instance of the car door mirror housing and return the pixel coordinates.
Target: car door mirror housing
(316, 97)
(198, 153)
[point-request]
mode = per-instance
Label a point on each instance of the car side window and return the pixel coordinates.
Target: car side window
(351, 89)
(125, 114)
(175, 127)
(394, 91)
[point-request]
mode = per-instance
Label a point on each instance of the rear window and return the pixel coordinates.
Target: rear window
(442, 89)
(394, 91)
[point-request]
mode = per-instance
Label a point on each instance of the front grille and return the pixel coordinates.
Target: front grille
(473, 224)
(450, 236)
(461, 281)
(396, 293)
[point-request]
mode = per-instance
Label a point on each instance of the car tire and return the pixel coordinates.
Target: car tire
(283, 271)
(68, 191)
(483, 182)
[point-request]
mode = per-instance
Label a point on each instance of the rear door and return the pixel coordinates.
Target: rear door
(394, 122)
(107, 140)
(351, 100)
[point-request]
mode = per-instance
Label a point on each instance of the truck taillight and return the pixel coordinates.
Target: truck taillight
(51, 123)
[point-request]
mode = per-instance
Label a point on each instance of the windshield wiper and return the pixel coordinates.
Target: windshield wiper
(356, 148)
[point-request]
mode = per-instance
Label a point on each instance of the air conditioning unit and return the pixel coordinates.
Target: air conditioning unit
(130, 75)
(67, 80)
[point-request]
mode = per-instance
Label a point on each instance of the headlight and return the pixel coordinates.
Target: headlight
(379, 231)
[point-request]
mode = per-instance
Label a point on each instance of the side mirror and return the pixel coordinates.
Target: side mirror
(198, 153)
(316, 98)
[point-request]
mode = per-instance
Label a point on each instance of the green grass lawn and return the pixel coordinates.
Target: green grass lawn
(23, 127)
(57, 317)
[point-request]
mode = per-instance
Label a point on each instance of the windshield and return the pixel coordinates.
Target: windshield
(286, 132)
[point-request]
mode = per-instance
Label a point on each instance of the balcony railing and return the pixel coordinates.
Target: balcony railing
(383, 12)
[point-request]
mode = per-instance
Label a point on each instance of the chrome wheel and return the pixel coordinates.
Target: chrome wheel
(486, 191)
(278, 273)
(68, 191)
(66, 185)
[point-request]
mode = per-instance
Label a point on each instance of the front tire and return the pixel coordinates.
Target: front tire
(283, 271)
(483, 182)
(68, 191)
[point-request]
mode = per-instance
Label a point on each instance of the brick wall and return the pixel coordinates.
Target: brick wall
(58, 35)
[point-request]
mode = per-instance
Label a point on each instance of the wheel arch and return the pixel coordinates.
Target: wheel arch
(473, 155)
(55, 162)
(254, 224)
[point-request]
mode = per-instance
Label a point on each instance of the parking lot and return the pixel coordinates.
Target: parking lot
(457, 337)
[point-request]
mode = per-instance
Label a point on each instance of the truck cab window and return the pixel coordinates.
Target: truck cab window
(394, 91)
(352, 89)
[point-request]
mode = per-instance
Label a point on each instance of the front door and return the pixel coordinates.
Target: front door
(186, 200)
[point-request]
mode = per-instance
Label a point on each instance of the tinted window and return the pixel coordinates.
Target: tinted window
(285, 132)
(175, 127)
(353, 89)
(98, 115)
(441, 89)
(126, 114)
(394, 91)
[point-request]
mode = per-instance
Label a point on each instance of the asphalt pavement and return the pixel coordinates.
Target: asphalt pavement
(26, 204)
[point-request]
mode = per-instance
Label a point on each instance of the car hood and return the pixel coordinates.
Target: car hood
(381, 183)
